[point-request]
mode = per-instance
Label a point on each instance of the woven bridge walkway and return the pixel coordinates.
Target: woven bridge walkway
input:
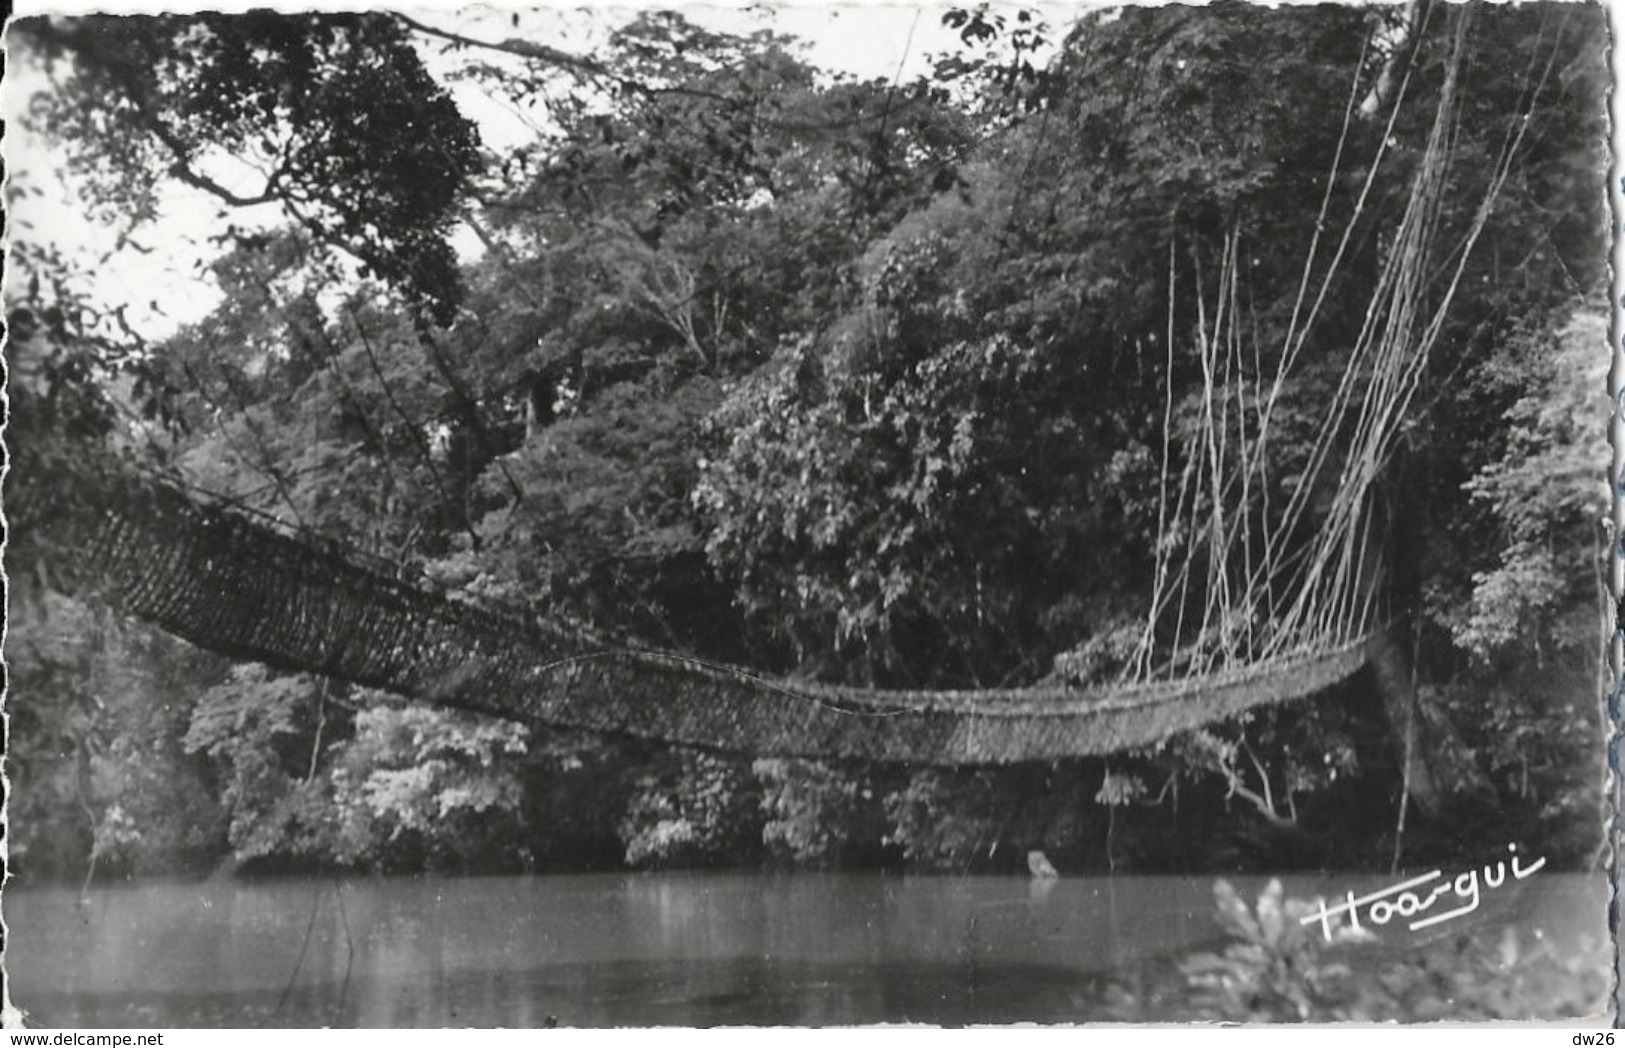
(236, 585)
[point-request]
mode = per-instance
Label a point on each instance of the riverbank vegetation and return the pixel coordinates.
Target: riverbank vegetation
(871, 381)
(1274, 969)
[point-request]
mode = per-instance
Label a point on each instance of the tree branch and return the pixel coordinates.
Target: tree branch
(521, 48)
(184, 172)
(181, 168)
(584, 66)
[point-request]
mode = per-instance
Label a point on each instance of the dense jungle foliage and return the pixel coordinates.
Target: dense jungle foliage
(859, 381)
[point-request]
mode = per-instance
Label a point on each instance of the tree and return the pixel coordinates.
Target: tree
(100, 785)
(314, 104)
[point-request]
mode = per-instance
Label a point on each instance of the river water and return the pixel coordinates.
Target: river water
(696, 949)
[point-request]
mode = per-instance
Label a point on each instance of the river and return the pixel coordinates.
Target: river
(685, 949)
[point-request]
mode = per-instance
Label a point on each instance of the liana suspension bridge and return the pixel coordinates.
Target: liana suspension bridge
(234, 584)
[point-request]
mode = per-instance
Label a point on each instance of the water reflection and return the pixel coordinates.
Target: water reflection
(605, 950)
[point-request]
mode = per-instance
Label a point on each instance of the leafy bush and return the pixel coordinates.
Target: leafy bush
(954, 819)
(1272, 971)
(445, 784)
(943, 818)
(1276, 969)
(257, 727)
(818, 814)
(693, 809)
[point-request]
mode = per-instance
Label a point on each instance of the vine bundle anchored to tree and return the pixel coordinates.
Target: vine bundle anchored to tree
(1253, 565)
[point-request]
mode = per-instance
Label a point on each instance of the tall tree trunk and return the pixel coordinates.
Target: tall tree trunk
(1438, 764)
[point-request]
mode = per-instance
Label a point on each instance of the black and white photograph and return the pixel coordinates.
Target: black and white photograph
(809, 515)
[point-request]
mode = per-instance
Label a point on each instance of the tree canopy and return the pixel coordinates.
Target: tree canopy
(873, 381)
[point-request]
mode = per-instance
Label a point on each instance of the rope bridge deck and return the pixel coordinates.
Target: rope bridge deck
(243, 588)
